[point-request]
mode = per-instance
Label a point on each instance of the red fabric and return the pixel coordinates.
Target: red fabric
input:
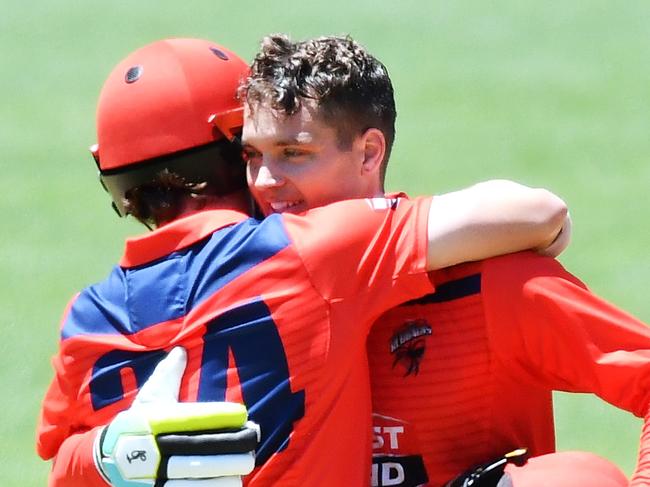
(74, 466)
(567, 469)
(323, 294)
(485, 380)
(176, 235)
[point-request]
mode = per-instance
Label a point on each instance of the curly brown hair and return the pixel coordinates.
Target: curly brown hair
(158, 191)
(350, 87)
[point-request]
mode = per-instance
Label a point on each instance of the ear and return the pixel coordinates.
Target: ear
(373, 145)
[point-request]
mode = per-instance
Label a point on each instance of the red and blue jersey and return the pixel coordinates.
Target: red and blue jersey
(274, 313)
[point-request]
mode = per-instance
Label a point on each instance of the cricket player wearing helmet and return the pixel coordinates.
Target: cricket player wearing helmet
(215, 306)
(463, 376)
(165, 147)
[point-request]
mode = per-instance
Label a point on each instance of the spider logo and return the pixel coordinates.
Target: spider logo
(410, 355)
(408, 345)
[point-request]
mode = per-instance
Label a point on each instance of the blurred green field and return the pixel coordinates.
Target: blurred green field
(554, 94)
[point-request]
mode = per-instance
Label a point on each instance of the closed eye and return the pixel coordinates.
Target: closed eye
(293, 152)
(249, 154)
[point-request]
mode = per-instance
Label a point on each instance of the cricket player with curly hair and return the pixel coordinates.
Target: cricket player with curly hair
(218, 333)
(461, 378)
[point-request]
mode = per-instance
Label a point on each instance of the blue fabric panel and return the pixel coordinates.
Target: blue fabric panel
(133, 299)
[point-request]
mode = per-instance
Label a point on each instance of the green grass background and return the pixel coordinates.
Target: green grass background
(554, 94)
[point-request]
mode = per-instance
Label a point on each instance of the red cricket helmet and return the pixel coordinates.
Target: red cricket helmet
(168, 99)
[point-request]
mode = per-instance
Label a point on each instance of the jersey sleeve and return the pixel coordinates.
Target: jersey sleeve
(356, 247)
(71, 452)
(74, 465)
(553, 330)
(56, 409)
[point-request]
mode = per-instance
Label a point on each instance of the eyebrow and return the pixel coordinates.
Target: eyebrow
(299, 139)
(281, 143)
(286, 143)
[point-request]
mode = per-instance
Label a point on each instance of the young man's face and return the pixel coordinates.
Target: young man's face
(296, 163)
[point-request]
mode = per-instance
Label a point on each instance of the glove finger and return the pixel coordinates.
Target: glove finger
(214, 482)
(138, 459)
(206, 466)
(183, 417)
(208, 443)
(165, 381)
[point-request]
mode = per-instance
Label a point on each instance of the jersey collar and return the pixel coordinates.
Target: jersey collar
(176, 235)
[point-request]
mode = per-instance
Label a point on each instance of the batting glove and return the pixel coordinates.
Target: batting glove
(162, 442)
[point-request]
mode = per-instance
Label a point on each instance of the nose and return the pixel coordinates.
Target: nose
(267, 178)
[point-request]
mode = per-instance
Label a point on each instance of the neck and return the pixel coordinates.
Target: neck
(237, 201)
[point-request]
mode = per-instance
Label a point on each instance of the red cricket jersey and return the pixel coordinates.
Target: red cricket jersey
(274, 313)
(483, 354)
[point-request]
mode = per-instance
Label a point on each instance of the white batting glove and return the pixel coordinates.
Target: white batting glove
(162, 442)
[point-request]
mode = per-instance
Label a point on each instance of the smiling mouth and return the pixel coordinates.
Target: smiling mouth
(280, 206)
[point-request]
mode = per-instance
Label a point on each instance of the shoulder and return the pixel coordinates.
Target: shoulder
(522, 264)
(93, 310)
(369, 241)
(345, 222)
(523, 274)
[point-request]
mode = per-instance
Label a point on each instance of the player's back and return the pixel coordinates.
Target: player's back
(442, 396)
(264, 320)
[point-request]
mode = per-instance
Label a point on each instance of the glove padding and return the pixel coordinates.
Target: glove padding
(161, 442)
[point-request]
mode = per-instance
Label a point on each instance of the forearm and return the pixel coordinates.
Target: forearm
(489, 219)
(560, 242)
(74, 465)
(641, 476)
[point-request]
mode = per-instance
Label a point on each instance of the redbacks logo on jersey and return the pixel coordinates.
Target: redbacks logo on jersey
(382, 204)
(394, 458)
(408, 345)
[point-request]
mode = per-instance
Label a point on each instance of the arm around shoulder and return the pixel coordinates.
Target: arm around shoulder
(492, 218)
